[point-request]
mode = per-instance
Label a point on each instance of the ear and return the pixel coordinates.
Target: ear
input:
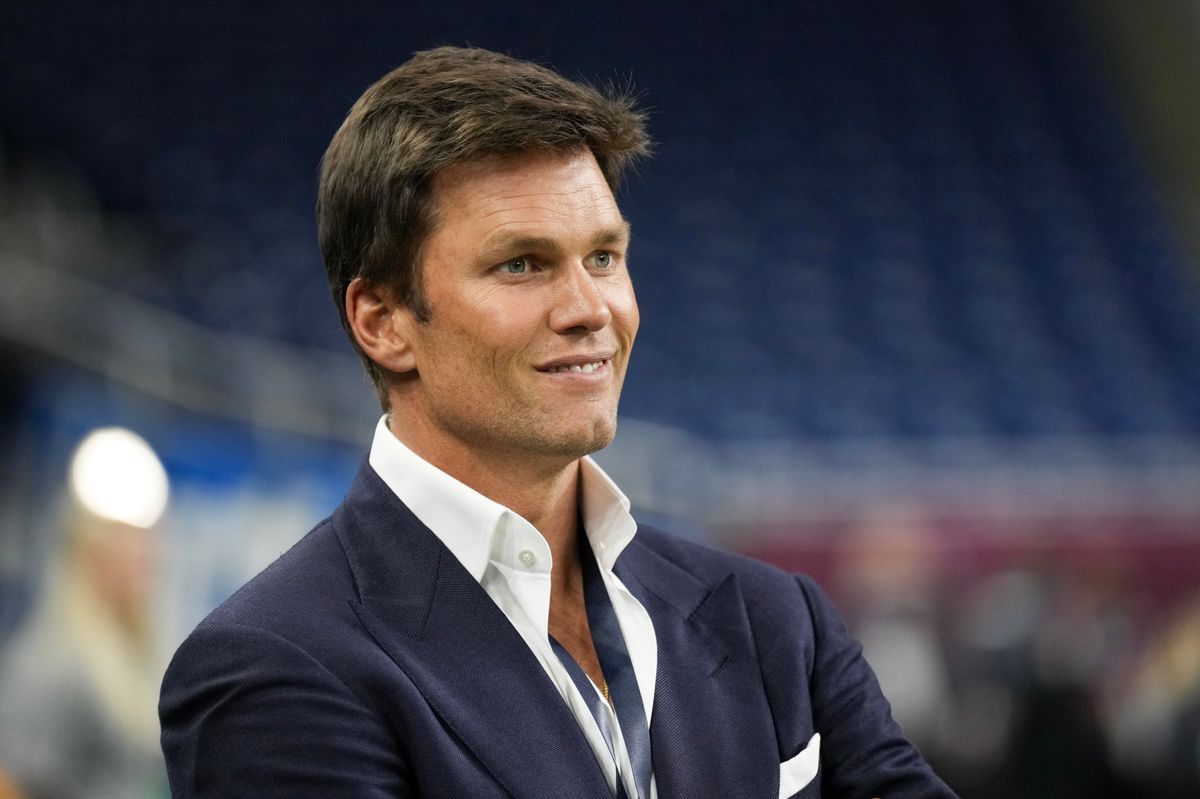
(382, 326)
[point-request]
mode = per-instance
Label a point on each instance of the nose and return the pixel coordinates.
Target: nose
(580, 305)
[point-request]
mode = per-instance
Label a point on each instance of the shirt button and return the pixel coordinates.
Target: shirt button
(527, 557)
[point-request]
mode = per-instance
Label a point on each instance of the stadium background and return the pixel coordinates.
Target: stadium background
(920, 300)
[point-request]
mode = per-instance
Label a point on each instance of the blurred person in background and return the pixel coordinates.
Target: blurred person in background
(78, 682)
(890, 585)
(1035, 645)
(482, 616)
(1154, 723)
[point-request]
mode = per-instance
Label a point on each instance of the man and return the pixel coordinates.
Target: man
(481, 616)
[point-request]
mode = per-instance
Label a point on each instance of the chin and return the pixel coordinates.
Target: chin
(585, 440)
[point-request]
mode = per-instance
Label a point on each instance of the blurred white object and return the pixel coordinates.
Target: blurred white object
(116, 475)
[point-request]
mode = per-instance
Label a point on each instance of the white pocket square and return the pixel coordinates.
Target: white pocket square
(800, 770)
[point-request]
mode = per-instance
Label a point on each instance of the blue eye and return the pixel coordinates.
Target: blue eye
(515, 266)
(603, 259)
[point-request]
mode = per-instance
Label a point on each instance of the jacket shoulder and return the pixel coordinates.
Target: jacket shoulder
(307, 576)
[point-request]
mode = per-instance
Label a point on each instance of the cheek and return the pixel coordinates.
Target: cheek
(623, 304)
(483, 355)
(506, 330)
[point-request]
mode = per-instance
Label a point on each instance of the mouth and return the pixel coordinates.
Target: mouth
(583, 364)
(584, 368)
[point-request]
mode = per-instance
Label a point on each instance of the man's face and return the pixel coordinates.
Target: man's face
(532, 311)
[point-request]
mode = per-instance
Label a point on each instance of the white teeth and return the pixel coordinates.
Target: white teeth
(586, 368)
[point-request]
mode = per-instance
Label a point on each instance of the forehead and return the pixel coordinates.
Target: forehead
(530, 189)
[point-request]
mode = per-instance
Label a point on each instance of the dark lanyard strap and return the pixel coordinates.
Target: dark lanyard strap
(595, 704)
(618, 673)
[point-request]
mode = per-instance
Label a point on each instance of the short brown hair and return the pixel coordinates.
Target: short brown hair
(443, 107)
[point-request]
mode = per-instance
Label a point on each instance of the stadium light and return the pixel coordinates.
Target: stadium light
(116, 475)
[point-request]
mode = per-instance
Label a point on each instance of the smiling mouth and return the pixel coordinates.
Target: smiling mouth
(583, 368)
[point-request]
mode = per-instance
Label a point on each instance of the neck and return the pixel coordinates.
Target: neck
(542, 490)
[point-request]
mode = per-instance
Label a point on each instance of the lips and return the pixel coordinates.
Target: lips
(586, 368)
(579, 365)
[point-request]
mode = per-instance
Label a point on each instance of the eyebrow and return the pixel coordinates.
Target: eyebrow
(519, 243)
(617, 235)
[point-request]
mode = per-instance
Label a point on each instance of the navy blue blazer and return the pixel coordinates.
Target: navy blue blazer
(366, 662)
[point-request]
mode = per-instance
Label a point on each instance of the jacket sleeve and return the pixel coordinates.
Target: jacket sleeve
(247, 713)
(863, 752)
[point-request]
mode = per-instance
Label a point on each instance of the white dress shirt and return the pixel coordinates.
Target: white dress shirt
(512, 562)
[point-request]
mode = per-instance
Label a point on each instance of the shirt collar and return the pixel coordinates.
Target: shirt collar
(606, 517)
(467, 522)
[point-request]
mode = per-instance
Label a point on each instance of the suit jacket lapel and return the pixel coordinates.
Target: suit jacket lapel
(472, 667)
(711, 732)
